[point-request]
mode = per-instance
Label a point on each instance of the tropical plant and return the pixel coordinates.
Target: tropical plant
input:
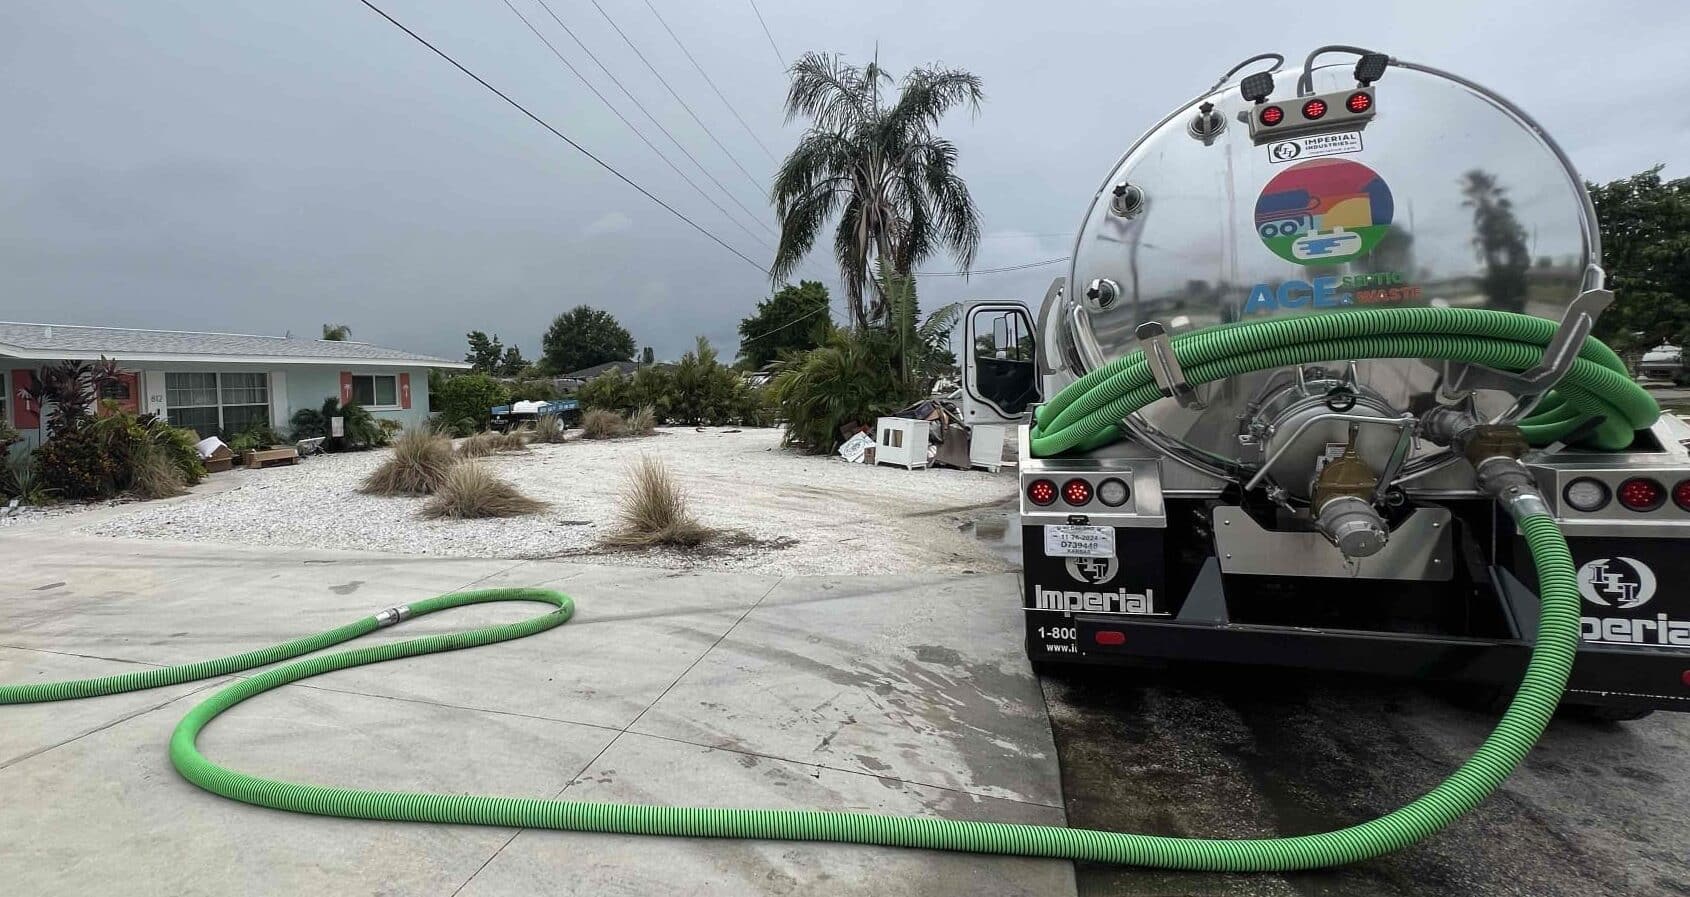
(891, 180)
(153, 475)
(582, 337)
(470, 490)
(653, 511)
(68, 390)
(417, 466)
(643, 422)
(472, 397)
(118, 452)
(608, 392)
(923, 344)
(548, 428)
(338, 333)
(850, 380)
(21, 479)
(602, 423)
(794, 319)
(359, 427)
(704, 391)
(9, 436)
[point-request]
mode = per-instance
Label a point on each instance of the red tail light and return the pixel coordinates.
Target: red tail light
(1359, 102)
(1641, 494)
(1681, 494)
(1110, 637)
(1271, 115)
(1314, 109)
(1041, 492)
(1076, 492)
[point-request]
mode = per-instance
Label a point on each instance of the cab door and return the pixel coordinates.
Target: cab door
(1000, 378)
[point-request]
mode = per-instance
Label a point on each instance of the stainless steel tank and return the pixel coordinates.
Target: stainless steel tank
(1447, 196)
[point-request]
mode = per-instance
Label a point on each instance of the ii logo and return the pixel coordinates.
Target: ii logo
(1619, 582)
(1092, 571)
(1285, 152)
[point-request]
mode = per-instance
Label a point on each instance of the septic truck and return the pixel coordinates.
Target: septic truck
(1322, 351)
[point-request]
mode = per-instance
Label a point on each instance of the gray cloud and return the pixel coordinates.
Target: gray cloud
(268, 167)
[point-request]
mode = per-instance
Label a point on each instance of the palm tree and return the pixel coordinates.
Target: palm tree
(891, 179)
(337, 332)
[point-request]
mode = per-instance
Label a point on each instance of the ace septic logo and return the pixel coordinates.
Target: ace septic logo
(1323, 211)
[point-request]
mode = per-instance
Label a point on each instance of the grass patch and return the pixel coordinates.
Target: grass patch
(653, 512)
(417, 466)
(155, 475)
(471, 491)
(548, 429)
(643, 422)
(602, 424)
(483, 444)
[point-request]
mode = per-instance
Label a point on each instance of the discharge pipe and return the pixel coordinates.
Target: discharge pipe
(1112, 393)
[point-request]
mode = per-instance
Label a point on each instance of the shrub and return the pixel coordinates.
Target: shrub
(389, 428)
(465, 426)
(600, 423)
(643, 422)
(259, 437)
(8, 435)
(359, 425)
(471, 490)
(606, 392)
(418, 466)
(532, 390)
(510, 441)
(548, 428)
(653, 511)
(849, 380)
(75, 465)
(471, 397)
(704, 390)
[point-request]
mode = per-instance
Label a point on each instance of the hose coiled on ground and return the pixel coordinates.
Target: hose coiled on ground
(1546, 676)
(1087, 412)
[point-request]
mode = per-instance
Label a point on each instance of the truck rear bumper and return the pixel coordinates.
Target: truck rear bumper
(1635, 677)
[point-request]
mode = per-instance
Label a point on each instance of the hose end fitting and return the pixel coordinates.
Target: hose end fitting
(393, 615)
(1495, 450)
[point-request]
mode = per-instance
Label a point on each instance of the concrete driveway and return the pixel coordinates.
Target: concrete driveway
(891, 695)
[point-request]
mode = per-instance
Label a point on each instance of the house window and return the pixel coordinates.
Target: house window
(375, 390)
(209, 403)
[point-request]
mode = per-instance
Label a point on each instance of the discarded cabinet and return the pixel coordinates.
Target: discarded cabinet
(901, 441)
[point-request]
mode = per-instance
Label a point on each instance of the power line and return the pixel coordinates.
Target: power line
(779, 56)
(561, 136)
(625, 121)
(752, 339)
(1022, 267)
(651, 118)
(665, 82)
(706, 77)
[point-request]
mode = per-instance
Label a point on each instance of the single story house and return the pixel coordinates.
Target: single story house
(218, 383)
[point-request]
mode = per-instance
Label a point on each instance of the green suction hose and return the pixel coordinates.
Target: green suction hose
(1088, 413)
(1089, 410)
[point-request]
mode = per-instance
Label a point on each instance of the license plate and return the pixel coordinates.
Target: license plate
(1080, 541)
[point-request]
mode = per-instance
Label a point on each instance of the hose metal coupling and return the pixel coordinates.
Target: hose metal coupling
(393, 615)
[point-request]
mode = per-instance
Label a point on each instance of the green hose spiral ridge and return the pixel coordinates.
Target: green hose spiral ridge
(1088, 413)
(1540, 691)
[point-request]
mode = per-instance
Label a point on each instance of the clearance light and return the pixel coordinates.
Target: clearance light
(1585, 494)
(1642, 494)
(1113, 637)
(1359, 102)
(1076, 492)
(1681, 494)
(1041, 492)
(1314, 109)
(1271, 115)
(1114, 492)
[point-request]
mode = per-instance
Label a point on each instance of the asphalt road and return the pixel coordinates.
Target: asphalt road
(1597, 809)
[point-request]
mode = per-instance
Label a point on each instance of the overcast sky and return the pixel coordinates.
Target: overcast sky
(268, 167)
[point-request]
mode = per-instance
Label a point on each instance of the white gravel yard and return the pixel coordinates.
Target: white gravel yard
(804, 514)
